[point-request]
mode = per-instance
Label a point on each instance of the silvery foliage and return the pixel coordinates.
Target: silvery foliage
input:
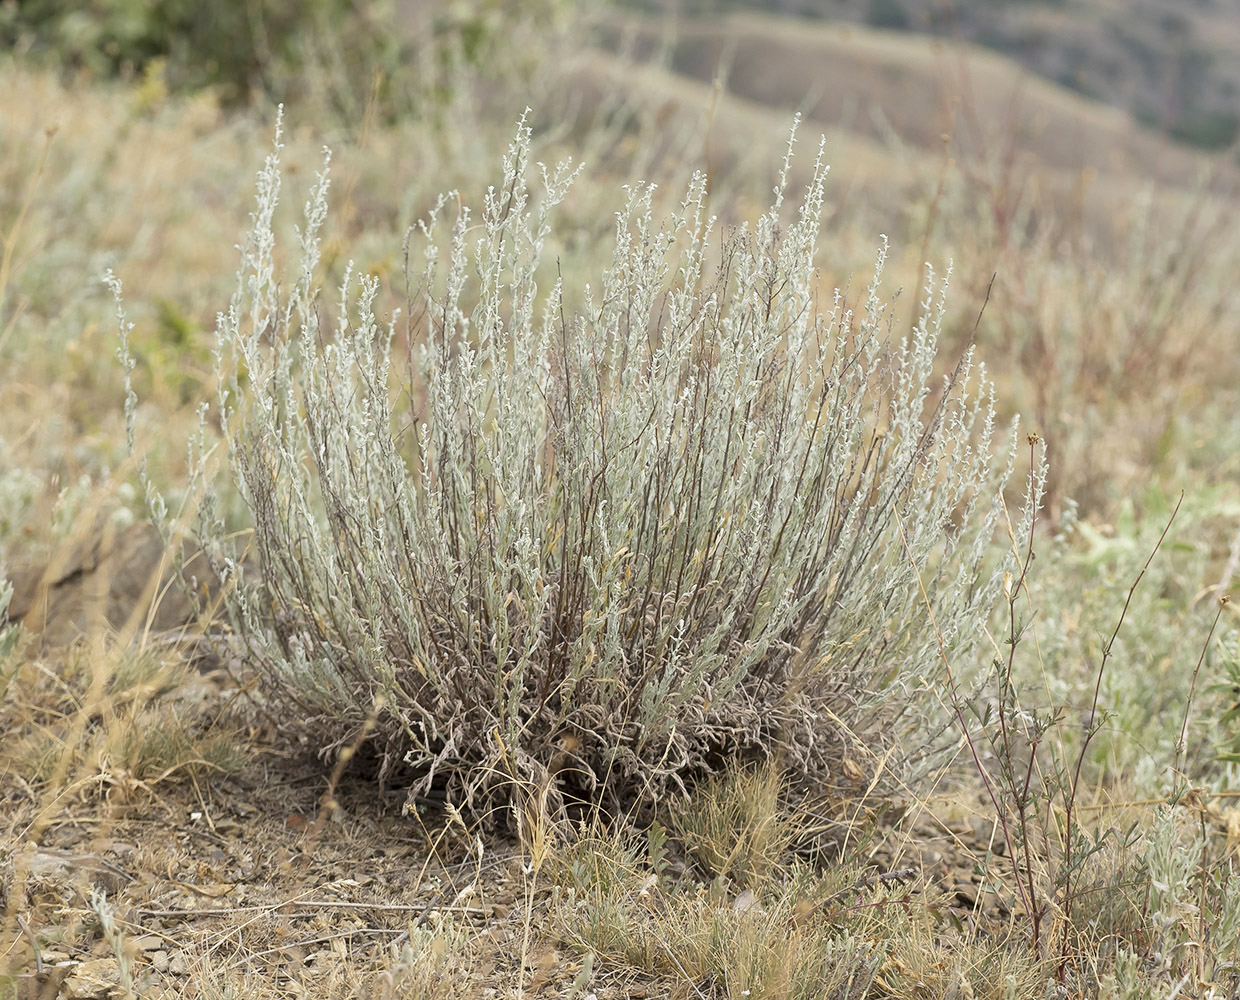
(10, 633)
(613, 534)
(1180, 884)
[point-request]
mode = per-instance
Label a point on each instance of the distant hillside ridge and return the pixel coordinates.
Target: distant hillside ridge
(1172, 65)
(881, 85)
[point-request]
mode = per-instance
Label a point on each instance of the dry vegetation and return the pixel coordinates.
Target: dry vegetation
(1053, 815)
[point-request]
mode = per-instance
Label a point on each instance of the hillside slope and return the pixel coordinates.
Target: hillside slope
(1171, 65)
(916, 88)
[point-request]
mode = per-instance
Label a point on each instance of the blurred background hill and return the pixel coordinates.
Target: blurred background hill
(1170, 64)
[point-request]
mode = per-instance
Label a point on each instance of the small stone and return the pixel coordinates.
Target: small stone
(983, 829)
(96, 979)
(147, 942)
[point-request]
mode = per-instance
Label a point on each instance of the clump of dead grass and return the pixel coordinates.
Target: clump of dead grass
(783, 928)
(114, 718)
(736, 825)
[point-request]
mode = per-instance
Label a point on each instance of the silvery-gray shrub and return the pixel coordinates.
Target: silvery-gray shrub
(604, 537)
(10, 633)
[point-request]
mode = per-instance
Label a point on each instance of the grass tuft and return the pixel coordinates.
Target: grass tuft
(734, 826)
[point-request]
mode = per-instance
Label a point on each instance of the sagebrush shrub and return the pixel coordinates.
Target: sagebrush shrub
(10, 633)
(612, 535)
